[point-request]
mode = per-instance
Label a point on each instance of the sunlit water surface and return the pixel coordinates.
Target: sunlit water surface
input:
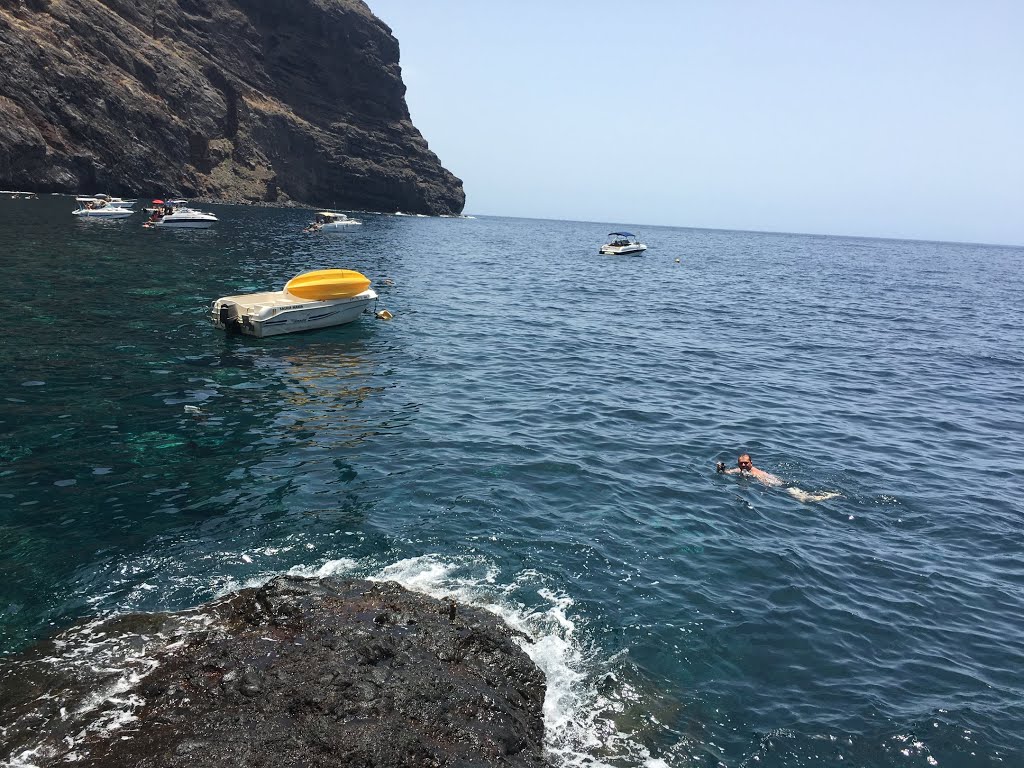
(535, 431)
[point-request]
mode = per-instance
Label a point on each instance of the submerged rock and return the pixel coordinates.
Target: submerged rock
(235, 100)
(299, 672)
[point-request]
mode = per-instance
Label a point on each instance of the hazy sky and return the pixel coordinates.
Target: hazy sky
(884, 118)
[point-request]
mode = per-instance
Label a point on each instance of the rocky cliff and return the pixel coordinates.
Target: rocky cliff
(297, 673)
(237, 100)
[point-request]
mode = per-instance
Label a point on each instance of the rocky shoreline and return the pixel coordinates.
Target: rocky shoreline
(304, 672)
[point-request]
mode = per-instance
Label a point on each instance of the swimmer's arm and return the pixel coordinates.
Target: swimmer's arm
(720, 469)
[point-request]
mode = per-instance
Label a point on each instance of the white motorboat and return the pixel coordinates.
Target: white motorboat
(620, 243)
(101, 210)
(106, 200)
(183, 218)
(329, 297)
(329, 221)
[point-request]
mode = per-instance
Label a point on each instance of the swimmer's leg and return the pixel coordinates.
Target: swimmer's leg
(805, 496)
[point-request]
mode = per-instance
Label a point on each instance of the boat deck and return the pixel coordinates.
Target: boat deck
(280, 299)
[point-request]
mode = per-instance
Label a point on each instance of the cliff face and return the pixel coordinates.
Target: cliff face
(239, 100)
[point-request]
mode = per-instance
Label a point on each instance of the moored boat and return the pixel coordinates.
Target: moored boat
(101, 210)
(330, 221)
(183, 218)
(105, 201)
(621, 243)
(275, 312)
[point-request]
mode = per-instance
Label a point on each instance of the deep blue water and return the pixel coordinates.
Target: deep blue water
(536, 432)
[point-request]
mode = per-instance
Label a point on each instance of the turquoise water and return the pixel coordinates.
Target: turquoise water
(536, 432)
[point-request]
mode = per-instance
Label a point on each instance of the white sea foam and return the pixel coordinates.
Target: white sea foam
(339, 567)
(577, 718)
(110, 667)
(575, 715)
(30, 758)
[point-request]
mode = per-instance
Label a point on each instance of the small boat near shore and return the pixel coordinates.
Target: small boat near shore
(104, 201)
(318, 299)
(180, 217)
(101, 210)
(330, 221)
(622, 243)
(187, 218)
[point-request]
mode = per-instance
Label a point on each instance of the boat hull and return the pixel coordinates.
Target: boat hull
(276, 313)
(103, 213)
(190, 224)
(186, 218)
(622, 250)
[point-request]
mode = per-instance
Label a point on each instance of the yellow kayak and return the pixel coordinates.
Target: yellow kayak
(325, 284)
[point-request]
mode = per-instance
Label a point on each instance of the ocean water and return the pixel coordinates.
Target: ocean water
(536, 431)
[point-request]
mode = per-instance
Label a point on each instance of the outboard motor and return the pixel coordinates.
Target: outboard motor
(231, 324)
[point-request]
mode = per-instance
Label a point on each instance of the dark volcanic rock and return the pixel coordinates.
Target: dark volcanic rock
(238, 100)
(297, 673)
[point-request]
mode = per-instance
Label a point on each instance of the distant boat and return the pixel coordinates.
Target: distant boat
(621, 243)
(100, 209)
(312, 300)
(107, 200)
(329, 221)
(183, 218)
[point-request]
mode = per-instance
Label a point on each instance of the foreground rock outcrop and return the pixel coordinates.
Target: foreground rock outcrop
(297, 673)
(236, 100)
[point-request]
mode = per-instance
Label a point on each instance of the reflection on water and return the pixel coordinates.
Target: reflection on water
(327, 390)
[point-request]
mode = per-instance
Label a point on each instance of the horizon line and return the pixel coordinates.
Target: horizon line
(1016, 246)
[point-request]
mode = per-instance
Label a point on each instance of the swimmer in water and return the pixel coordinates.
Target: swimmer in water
(745, 467)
